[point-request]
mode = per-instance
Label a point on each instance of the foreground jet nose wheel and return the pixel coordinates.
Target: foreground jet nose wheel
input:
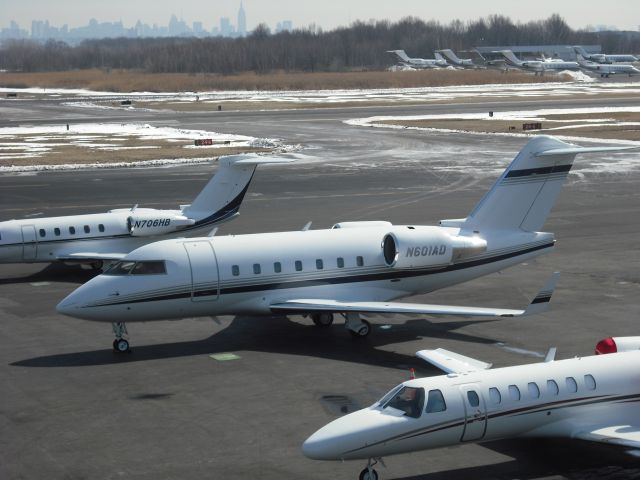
(322, 319)
(121, 346)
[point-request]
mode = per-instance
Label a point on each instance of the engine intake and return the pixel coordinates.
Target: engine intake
(144, 225)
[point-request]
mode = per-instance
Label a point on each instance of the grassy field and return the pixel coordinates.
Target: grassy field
(618, 125)
(123, 81)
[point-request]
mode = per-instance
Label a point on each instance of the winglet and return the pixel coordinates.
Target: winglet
(541, 301)
(451, 362)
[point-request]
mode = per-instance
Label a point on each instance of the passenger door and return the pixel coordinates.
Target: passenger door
(29, 242)
(205, 285)
(475, 413)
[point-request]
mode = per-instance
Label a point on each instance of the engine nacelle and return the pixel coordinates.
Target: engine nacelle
(409, 247)
(145, 224)
(617, 344)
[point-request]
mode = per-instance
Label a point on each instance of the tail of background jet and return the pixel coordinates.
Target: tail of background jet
(450, 56)
(524, 194)
(400, 54)
(438, 56)
(222, 195)
(581, 51)
(511, 58)
(581, 60)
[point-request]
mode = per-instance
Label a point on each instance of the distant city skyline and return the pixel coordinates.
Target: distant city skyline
(207, 15)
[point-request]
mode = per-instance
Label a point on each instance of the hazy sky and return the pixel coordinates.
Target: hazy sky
(625, 14)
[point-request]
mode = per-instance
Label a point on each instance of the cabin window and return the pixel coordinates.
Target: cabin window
(409, 400)
(56, 232)
(494, 396)
(298, 266)
(590, 382)
(235, 270)
(534, 390)
(473, 398)
(277, 267)
(319, 264)
(101, 227)
(552, 387)
(256, 268)
(42, 232)
(87, 229)
(514, 393)
(359, 261)
(340, 262)
(149, 267)
(120, 268)
(435, 402)
(72, 230)
(572, 385)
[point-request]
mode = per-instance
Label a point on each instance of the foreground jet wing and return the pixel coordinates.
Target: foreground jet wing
(624, 435)
(539, 304)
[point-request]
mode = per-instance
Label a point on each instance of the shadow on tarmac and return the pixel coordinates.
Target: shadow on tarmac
(278, 334)
(55, 272)
(546, 458)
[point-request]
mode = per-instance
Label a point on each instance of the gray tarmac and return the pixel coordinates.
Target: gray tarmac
(71, 409)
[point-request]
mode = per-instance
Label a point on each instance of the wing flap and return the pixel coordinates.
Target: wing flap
(452, 362)
(624, 435)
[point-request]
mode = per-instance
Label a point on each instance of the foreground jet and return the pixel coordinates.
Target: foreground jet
(354, 268)
(100, 237)
(593, 398)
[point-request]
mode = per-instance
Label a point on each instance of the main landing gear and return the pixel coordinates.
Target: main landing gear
(324, 319)
(369, 473)
(357, 327)
(120, 344)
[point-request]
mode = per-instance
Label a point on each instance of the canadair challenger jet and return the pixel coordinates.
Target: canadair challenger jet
(100, 237)
(353, 268)
(594, 398)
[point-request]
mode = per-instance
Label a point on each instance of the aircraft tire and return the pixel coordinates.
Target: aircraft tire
(364, 475)
(120, 345)
(322, 319)
(363, 330)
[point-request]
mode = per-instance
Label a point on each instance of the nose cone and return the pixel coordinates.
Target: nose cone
(81, 302)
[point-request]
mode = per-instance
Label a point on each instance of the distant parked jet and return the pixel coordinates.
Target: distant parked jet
(453, 59)
(603, 57)
(418, 62)
(537, 66)
(607, 69)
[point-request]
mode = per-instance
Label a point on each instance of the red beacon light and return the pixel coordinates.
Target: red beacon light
(607, 345)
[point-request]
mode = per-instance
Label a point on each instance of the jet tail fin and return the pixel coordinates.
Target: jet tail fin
(524, 194)
(510, 57)
(400, 54)
(222, 196)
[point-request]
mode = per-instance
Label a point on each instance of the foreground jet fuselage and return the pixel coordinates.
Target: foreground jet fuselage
(595, 398)
(110, 236)
(357, 268)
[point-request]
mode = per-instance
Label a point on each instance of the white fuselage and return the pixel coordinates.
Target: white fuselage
(35, 240)
(246, 274)
(552, 399)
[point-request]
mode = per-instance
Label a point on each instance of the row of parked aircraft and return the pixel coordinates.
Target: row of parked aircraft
(155, 270)
(604, 65)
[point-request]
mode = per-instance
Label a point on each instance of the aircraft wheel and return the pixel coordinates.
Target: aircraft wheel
(362, 331)
(365, 475)
(121, 345)
(322, 319)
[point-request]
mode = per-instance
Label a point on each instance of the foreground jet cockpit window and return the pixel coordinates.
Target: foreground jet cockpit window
(153, 267)
(435, 402)
(120, 268)
(409, 400)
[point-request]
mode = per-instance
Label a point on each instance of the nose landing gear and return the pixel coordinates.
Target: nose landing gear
(369, 473)
(120, 344)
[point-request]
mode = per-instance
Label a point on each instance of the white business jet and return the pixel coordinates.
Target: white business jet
(104, 237)
(607, 69)
(538, 66)
(594, 398)
(353, 268)
(604, 57)
(453, 59)
(404, 59)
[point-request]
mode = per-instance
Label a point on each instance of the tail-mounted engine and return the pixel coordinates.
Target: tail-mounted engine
(145, 225)
(617, 344)
(417, 247)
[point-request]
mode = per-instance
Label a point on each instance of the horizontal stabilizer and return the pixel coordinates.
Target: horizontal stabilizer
(541, 301)
(451, 362)
(576, 150)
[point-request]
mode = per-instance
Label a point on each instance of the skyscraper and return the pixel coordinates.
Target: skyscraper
(242, 21)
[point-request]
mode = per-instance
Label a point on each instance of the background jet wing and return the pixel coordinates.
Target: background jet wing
(451, 362)
(624, 435)
(538, 304)
(90, 257)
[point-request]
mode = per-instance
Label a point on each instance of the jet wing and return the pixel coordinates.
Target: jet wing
(539, 304)
(624, 435)
(451, 362)
(90, 257)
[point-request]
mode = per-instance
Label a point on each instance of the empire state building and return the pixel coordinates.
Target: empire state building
(242, 22)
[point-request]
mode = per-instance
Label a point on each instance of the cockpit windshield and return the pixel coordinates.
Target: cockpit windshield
(408, 399)
(128, 267)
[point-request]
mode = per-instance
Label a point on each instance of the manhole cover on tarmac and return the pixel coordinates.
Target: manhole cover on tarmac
(339, 404)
